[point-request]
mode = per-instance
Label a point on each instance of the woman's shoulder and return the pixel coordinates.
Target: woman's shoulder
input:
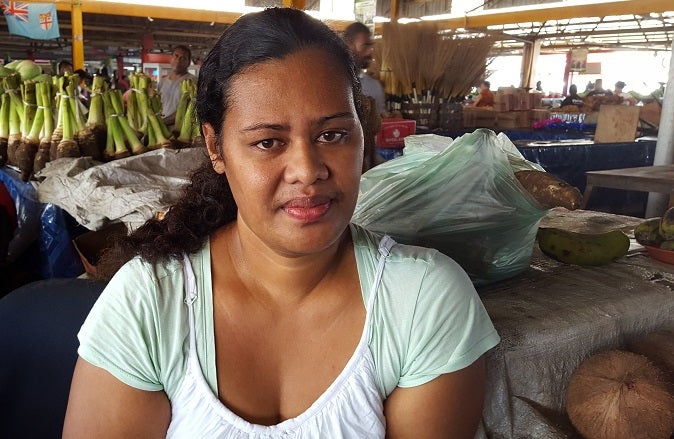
(158, 281)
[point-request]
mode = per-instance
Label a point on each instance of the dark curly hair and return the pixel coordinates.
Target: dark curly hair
(207, 202)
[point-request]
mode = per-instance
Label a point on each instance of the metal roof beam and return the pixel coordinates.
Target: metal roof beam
(556, 11)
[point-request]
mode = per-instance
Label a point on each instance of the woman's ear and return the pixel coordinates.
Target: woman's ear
(217, 161)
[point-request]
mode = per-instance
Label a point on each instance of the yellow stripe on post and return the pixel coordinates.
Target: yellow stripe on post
(77, 33)
(296, 4)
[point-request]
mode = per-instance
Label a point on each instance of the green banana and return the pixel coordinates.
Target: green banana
(581, 248)
(648, 232)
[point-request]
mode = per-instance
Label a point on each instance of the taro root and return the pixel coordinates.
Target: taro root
(620, 395)
(91, 138)
(549, 190)
(41, 157)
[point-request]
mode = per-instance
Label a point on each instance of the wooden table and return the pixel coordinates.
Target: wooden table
(658, 179)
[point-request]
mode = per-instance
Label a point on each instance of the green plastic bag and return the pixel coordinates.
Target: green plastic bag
(458, 196)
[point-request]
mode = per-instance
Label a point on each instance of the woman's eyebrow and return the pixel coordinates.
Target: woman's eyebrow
(283, 127)
(266, 126)
(342, 115)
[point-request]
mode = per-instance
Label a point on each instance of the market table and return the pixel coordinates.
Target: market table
(644, 179)
(553, 316)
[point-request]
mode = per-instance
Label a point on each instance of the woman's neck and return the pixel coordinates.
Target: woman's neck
(277, 279)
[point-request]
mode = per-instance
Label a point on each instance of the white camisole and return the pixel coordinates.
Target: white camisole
(350, 408)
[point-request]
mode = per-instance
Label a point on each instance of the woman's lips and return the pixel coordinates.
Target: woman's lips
(308, 209)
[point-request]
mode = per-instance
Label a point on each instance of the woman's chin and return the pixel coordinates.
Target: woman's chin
(309, 238)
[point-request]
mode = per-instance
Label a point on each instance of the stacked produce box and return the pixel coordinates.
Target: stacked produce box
(42, 119)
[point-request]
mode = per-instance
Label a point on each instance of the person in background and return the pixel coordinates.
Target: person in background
(83, 86)
(358, 39)
(539, 87)
(486, 97)
(598, 89)
(65, 67)
(169, 87)
(628, 99)
(572, 98)
(254, 308)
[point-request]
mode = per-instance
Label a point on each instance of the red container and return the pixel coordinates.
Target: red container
(394, 131)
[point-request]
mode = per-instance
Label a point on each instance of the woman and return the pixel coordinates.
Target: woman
(485, 98)
(282, 320)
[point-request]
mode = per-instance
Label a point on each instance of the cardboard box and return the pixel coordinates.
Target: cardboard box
(90, 245)
(539, 114)
(479, 118)
(394, 131)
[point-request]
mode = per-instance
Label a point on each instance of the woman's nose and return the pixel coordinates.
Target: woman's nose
(305, 163)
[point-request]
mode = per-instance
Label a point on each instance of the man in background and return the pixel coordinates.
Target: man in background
(628, 99)
(169, 87)
(358, 39)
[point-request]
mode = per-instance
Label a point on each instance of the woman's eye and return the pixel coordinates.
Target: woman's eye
(331, 136)
(267, 143)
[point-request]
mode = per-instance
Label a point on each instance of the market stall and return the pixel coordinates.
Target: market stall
(554, 316)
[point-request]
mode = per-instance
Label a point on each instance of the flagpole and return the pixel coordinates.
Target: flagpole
(78, 36)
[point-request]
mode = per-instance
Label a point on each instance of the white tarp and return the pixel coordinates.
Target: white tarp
(129, 190)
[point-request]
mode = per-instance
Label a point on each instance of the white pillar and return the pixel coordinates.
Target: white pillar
(664, 149)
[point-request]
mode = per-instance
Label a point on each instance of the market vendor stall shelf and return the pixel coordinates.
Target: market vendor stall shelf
(658, 179)
(554, 316)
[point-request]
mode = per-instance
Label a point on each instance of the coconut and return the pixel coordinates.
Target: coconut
(620, 395)
(659, 348)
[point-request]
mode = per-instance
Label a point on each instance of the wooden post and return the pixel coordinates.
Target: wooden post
(78, 37)
(394, 14)
(567, 74)
(530, 54)
(664, 149)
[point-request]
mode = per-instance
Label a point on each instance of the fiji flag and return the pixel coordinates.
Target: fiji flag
(33, 20)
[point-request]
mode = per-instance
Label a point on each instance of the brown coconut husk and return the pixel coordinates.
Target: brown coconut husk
(56, 137)
(13, 143)
(91, 141)
(25, 157)
(67, 148)
(659, 348)
(620, 395)
(3, 151)
(42, 156)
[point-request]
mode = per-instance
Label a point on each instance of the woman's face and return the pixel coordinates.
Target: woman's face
(292, 150)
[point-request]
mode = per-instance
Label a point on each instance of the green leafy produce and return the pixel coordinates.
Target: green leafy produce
(42, 155)
(92, 137)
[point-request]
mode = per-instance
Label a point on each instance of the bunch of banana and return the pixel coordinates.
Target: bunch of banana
(657, 232)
